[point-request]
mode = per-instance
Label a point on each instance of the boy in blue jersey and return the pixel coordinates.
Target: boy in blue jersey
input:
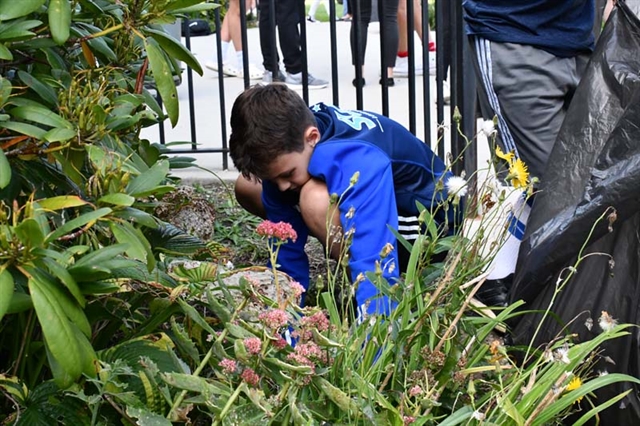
(292, 157)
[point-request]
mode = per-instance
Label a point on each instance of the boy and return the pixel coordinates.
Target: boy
(292, 157)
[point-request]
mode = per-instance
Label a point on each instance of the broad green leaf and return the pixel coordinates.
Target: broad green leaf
(82, 220)
(56, 327)
(91, 6)
(146, 417)
(139, 248)
(61, 202)
(24, 129)
(40, 115)
(59, 135)
(65, 277)
(59, 20)
(136, 215)
(118, 199)
(101, 157)
(18, 29)
(6, 292)
(30, 233)
(5, 90)
(202, 7)
(5, 170)
(45, 91)
(192, 313)
(163, 77)
(180, 4)
(149, 179)
(5, 53)
(11, 9)
(175, 49)
(72, 310)
(100, 256)
(20, 302)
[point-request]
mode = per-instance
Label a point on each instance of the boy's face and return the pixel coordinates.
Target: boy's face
(290, 171)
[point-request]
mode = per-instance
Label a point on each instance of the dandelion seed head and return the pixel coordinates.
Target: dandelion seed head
(457, 185)
(606, 321)
(478, 415)
(589, 323)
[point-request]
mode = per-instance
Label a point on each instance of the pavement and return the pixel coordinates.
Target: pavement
(209, 97)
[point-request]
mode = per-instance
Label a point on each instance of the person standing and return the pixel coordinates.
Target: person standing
(287, 21)
(529, 57)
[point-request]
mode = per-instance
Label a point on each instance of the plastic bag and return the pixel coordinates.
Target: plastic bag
(593, 172)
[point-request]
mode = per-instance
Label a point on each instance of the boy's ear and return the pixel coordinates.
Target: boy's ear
(312, 135)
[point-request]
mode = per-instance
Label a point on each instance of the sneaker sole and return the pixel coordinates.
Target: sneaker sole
(296, 86)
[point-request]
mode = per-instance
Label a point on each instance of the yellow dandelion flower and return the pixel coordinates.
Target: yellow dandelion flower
(507, 157)
(574, 384)
(518, 174)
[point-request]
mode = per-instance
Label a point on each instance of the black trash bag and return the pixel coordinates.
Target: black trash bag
(593, 171)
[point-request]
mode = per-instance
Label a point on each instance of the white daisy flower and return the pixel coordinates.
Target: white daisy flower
(457, 185)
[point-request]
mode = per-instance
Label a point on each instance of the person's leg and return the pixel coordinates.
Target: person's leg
(345, 9)
(402, 61)
(322, 219)
(225, 42)
(288, 19)
(249, 196)
(360, 39)
(390, 11)
(528, 90)
(266, 46)
(312, 11)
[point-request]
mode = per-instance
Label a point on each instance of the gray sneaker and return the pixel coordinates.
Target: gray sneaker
(294, 81)
(267, 77)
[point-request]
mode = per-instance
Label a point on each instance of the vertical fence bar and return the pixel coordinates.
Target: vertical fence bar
(303, 46)
(426, 75)
(335, 86)
(357, 48)
(412, 63)
(192, 111)
(245, 43)
(440, 45)
(383, 60)
(223, 107)
(272, 37)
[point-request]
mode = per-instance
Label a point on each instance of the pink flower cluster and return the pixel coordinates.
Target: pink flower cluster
(296, 288)
(253, 345)
(280, 343)
(228, 366)
(308, 354)
(274, 318)
(250, 377)
(416, 390)
(281, 230)
(408, 419)
(317, 321)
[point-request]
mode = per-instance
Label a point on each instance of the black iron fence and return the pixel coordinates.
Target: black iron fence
(452, 59)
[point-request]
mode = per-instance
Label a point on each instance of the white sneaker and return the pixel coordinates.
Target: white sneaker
(402, 67)
(212, 65)
(294, 81)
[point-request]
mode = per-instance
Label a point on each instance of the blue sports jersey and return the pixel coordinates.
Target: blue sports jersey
(561, 27)
(395, 169)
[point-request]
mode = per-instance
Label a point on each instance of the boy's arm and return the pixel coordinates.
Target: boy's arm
(292, 259)
(367, 209)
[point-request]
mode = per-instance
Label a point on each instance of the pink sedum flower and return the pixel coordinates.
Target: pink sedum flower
(319, 321)
(228, 366)
(250, 377)
(253, 345)
(281, 230)
(280, 343)
(408, 419)
(296, 288)
(274, 319)
(416, 390)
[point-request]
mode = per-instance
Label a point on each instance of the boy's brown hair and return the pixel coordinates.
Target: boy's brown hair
(266, 122)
